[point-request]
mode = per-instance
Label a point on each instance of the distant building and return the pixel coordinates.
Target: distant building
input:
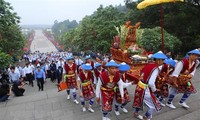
(49, 30)
(24, 31)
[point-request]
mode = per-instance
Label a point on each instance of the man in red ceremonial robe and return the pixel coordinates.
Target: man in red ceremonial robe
(71, 77)
(85, 87)
(123, 68)
(163, 79)
(97, 71)
(108, 81)
(182, 75)
(145, 89)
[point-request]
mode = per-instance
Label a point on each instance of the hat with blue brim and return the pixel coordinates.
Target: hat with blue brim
(97, 65)
(124, 67)
(112, 63)
(70, 58)
(86, 67)
(159, 55)
(170, 62)
(186, 56)
(195, 51)
(87, 57)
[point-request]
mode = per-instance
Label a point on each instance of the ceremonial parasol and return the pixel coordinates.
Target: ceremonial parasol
(147, 3)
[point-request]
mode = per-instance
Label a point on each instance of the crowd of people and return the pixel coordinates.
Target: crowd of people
(106, 82)
(38, 66)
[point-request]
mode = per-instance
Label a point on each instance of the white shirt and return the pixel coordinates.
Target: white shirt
(62, 64)
(152, 80)
(78, 61)
(28, 70)
(16, 70)
(47, 67)
(95, 78)
(151, 85)
(14, 76)
(179, 67)
(32, 68)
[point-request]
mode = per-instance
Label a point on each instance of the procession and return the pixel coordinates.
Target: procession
(132, 61)
(105, 82)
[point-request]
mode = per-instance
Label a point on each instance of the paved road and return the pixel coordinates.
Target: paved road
(41, 43)
(52, 105)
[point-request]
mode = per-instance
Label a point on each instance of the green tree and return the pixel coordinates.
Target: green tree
(150, 39)
(11, 38)
(5, 60)
(62, 27)
(96, 32)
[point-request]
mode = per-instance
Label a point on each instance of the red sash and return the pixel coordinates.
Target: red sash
(86, 85)
(107, 90)
(126, 94)
(71, 76)
(187, 70)
(140, 92)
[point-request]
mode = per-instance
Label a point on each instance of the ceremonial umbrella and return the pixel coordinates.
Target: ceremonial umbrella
(147, 3)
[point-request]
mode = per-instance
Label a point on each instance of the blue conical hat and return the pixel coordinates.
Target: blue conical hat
(170, 62)
(159, 55)
(124, 67)
(97, 65)
(112, 63)
(86, 66)
(87, 57)
(70, 58)
(195, 51)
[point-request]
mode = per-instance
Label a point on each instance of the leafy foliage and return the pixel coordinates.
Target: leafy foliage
(95, 32)
(65, 26)
(5, 60)
(150, 39)
(11, 38)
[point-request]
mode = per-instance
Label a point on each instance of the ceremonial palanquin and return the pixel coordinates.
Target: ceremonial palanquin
(125, 49)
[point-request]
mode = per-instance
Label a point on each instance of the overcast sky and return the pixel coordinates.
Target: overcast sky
(46, 11)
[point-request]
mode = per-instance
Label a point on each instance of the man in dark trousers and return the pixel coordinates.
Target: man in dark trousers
(53, 71)
(40, 77)
(59, 73)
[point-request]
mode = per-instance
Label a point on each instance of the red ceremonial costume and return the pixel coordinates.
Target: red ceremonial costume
(86, 85)
(162, 80)
(126, 94)
(71, 76)
(97, 73)
(186, 87)
(107, 90)
(140, 89)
